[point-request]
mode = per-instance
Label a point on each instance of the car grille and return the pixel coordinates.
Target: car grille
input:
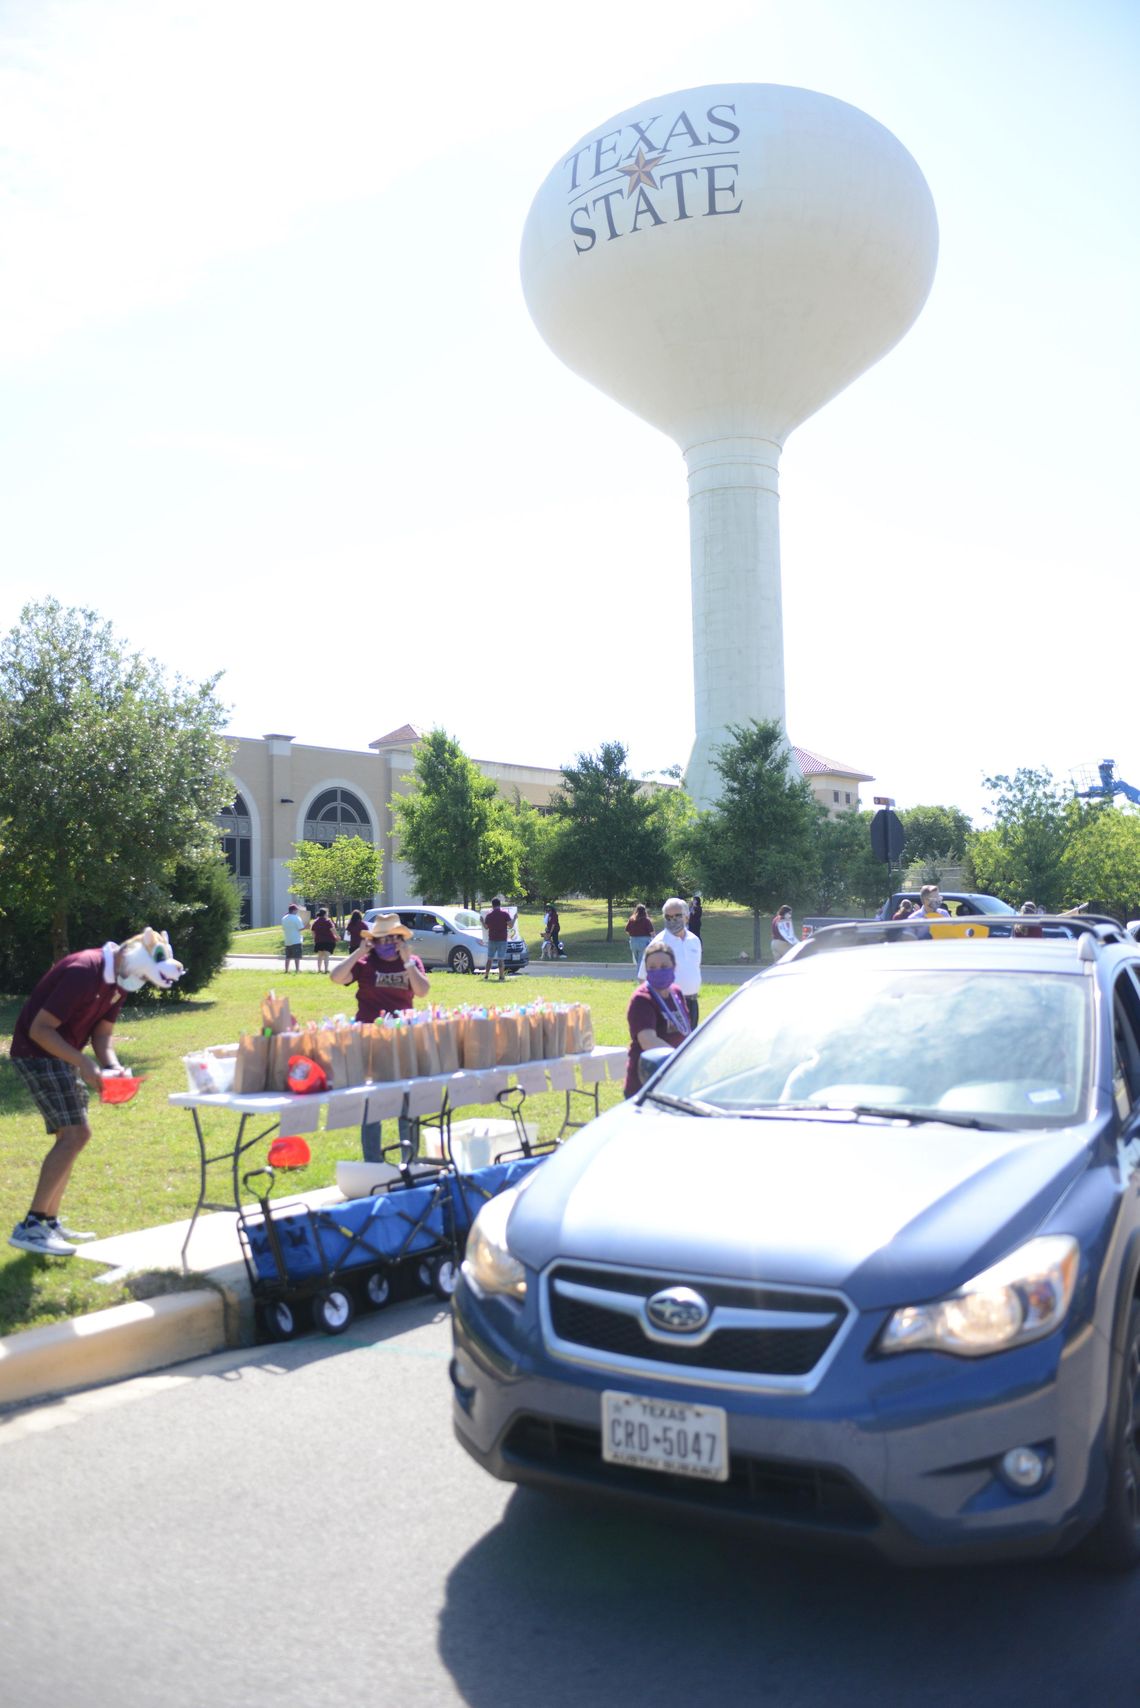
(759, 1488)
(754, 1331)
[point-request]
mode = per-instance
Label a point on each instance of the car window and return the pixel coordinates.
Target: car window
(1003, 1048)
(467, 920)
(1125, 1044)
(425, 921)
(408, 919)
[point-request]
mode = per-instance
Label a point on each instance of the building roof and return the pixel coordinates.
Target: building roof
(816, 765)
(398, 737)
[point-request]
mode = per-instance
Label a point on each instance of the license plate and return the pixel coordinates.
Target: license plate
(665, 1435)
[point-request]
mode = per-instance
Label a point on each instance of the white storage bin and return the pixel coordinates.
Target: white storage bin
(361, 1179)
(211, 1070)
(476, 1143)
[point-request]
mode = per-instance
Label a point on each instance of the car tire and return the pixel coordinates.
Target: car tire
(333, 1310)
(461, 960)
(1115, 1543)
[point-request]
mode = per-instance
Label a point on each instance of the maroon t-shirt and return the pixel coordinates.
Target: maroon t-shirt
(324, 933)
(635, 927)
(498, 923)
(644, 1012)
(76, 993)
(382, 987)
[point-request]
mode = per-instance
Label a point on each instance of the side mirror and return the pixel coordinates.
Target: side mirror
(651, 1060)
(442, 929)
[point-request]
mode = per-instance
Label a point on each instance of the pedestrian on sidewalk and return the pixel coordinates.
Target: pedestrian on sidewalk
(292, 930)
(324, 938)
(76, 1003)
(639, 928)
(497, 924)
(783, 932)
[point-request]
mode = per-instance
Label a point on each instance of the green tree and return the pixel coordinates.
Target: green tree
(935, 833)
(533, 833)
(678, 814)
(110, 775)
(760, 846)
(1102, 861)
(611, 838)
(1021, 856)
(335, 873)
(851, 879)
(454, 830)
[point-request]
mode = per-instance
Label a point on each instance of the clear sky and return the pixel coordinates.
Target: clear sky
(271, 402)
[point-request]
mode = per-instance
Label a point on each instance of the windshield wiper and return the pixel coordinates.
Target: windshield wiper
(687, 1105)
(917, 1117)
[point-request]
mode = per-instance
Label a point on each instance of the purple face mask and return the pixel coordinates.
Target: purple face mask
(659, 978)
(388, 949)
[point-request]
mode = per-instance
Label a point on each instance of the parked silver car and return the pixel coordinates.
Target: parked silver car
(452, 937)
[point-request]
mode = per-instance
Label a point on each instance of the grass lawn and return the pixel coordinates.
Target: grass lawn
(141, 1169)
(726, 931)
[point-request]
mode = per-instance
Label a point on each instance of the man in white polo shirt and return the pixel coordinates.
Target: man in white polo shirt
(686, 947)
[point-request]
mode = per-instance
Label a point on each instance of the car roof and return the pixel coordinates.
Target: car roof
(1093, 940)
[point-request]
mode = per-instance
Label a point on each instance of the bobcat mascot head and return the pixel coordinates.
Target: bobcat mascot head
(147, 959)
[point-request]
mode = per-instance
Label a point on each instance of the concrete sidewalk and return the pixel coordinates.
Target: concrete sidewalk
(212, 1312)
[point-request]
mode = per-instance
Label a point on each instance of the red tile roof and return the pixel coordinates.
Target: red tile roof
(816, 765)
(398, 737)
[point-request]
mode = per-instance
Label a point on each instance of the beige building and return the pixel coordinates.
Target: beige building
(834, 785)
(287, 792)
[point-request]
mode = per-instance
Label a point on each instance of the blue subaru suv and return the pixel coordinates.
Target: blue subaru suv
(859, 1262)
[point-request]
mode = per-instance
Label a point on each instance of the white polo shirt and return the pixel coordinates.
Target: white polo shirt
(687, 950)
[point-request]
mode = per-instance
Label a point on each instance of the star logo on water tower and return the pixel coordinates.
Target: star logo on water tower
(640, 171)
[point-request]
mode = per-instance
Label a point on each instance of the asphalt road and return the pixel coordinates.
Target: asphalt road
(296, 1526)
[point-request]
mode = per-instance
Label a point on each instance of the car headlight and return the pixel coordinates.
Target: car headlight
(488, 1263)
(1021, 1298)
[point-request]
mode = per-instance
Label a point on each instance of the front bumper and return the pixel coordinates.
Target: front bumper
(897, 1454)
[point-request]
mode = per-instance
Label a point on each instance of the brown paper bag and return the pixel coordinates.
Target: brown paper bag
(554, 1031)
(405, 1051)
(276, 1013)
(252, 1068)
(281, 1046)
(507, 1038)
(477, 1046)
(524, 1037)
(381, 1063)
(427, 1048)
(316, 1043)
(534, 1027)
(447, 1042)
(349, 1064)
(585, 1028)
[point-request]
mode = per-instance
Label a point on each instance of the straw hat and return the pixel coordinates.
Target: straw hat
(386, 925)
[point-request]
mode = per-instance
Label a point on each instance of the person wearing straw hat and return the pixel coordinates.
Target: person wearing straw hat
(388, 979)
(76, 1003)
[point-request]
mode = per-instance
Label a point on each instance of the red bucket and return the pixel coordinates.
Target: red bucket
(120, 1089)
(290, 1152)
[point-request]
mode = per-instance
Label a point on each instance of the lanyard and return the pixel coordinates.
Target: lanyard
(676, 1014)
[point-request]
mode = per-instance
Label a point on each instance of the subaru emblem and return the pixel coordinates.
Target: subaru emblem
(678, 1309)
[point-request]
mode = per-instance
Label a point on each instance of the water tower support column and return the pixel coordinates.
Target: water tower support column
(738, 646)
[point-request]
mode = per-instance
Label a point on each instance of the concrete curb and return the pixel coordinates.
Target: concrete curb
(106, 1346)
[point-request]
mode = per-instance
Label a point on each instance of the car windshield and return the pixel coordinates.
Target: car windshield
(466, 920)
(986, 1047)
(990, 904)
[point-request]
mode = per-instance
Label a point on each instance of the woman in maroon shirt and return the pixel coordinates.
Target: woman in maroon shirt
(657, 1013)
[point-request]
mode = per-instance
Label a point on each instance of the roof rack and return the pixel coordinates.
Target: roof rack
(1097, 928)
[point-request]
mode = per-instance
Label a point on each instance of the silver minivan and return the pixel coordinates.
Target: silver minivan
(452, 937)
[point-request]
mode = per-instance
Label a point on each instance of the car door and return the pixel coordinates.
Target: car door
(429, 938)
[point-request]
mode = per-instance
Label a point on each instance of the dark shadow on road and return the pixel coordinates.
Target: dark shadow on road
(567, 1604)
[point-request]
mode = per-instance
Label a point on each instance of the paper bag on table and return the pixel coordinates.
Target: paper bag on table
(447, 1042)
(554, 1031)
(427, 1046)
(281, 1046)
(276, 1013)
(507, 1037)
(477, 1046)
(349, 1064)
(404, 1036)
(316, 1043)
(579, 1029)
(251, 1071)
(534, 1027)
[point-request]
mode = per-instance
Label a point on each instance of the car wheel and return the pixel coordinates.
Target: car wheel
(461, 961)
(377, 1289)
(1115, 1543)
(333, 1310)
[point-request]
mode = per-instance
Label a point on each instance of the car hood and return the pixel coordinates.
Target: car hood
(889, 1213)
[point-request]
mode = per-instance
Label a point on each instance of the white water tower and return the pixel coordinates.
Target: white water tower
(723, 261)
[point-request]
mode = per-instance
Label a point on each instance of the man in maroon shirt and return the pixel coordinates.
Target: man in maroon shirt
(76, 1003)
(498, 925)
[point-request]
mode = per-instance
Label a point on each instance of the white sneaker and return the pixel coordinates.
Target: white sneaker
(40, 1237)
(71, 1234)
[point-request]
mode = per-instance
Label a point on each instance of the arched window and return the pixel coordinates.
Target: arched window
(337, 812)
(237, 845)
